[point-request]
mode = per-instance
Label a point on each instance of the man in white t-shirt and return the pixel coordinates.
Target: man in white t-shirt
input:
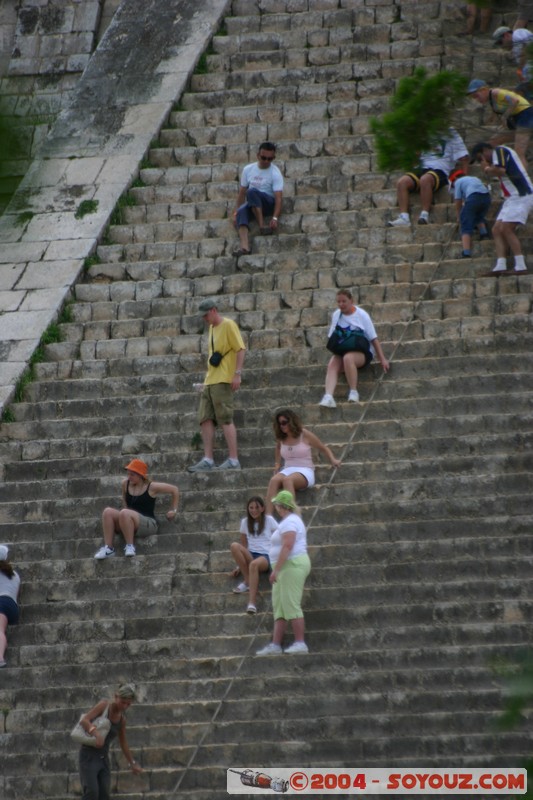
(260, 195)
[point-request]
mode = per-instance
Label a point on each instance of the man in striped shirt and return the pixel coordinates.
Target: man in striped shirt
(517, 189)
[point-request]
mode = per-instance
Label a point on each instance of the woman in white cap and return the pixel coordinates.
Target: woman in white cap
(9, 594)
(290, 567)
(136, 517)
(95, 769)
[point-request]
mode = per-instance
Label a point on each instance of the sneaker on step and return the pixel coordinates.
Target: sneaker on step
(202, 466)
(229, 464)
(242, 587)
(423, 219)
(353, 396)
(251, 609)
(130, 550)
(270, 649)
(399, 222)
(328, 402)
(297, 647)
(104, 552)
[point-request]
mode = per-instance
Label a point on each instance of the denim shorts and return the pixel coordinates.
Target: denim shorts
(9, 608)
(260, 555)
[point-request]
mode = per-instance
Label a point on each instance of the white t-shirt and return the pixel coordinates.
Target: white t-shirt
(259, 543)
(358, 321)
(9, 587)
(268, 180)
(290, 523)
(446, 152)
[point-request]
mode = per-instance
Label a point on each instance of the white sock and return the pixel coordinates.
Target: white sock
(424, 215)
(404, 215)
(501, 265)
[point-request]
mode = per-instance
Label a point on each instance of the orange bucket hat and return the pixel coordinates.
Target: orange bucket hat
(138, 466)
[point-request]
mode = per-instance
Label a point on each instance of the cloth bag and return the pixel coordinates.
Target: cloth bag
(344, 340)
(102, 723)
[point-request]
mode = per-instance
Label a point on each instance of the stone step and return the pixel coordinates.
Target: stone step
(72, 457)
(409, 493)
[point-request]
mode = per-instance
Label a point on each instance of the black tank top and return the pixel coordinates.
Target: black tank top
(143, 504)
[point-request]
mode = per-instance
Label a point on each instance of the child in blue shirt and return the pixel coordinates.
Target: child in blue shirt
(472, 201)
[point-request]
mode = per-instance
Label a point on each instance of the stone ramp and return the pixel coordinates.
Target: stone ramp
(419, 541)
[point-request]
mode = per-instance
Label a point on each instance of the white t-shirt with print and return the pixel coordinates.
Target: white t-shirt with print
(259, 543)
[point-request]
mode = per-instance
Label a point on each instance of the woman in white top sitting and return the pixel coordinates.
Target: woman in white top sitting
(350, 318)
(290, 567)
(251, 554)
(294, 445)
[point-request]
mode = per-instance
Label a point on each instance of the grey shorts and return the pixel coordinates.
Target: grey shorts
(147, 526)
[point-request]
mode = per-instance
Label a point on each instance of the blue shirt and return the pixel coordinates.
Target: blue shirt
(464, 187)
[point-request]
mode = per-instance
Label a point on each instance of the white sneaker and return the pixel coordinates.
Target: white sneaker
(328, 402)
(423, 219)
(270, 650)
(251, 609)
(297, 647)
(129, 550)
(399, 222)
(353, 396)
(105, 552)
(242, 587)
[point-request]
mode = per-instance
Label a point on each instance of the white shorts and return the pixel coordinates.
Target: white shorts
(516, 209)
(309, 474)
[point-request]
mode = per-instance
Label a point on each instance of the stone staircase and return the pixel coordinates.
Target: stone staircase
(420, 540)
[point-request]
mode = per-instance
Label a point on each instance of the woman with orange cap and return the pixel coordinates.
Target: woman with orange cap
(136, 517)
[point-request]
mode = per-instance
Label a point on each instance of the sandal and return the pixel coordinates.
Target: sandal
(241, 252)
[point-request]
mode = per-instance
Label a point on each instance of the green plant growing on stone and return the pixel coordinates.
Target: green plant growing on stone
(8, 415)
(146, 163)
(421, 113)
(86, 207)
(23, 218)
(90, 261)
(222, 31)
(202, 67)
(196, 440)
(52, 335)
(66, 315)
(125, 201)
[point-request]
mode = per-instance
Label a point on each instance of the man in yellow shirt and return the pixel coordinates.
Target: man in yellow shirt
(224, 366)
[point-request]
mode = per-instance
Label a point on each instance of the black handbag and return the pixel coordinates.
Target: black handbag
(345, 340)
(216, 357)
